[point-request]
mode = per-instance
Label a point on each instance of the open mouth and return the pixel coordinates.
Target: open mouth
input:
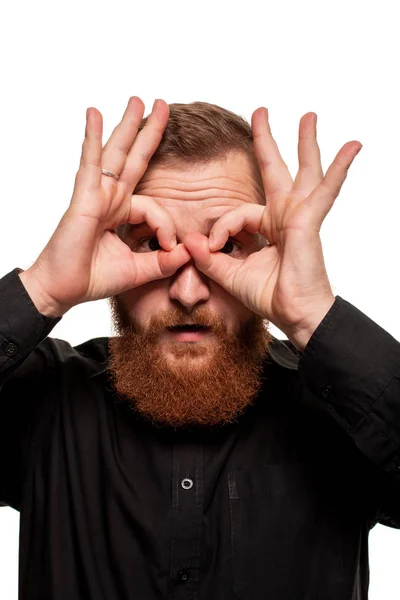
(188, 327)
(190, 332)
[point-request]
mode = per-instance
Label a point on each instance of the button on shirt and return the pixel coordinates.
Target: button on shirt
(277, 505)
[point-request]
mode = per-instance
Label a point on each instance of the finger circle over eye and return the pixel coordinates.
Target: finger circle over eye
(144, 209)
(246, 217)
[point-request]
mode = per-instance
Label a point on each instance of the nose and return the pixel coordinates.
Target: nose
(189, 286)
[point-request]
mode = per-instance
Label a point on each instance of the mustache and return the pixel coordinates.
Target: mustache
(200, 317)
(126, 324)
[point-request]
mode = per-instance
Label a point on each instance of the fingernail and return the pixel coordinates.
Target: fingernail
(173, 242)
(211, 241)
(155, 104)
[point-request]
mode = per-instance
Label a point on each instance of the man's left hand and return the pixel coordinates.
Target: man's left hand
(285, 281)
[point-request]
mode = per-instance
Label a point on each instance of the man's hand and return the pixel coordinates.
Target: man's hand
(85, 259)
(285, 281)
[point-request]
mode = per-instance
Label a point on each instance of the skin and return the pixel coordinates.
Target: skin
(194, 199)
(284, 282)
(200, 377)
(204, 244)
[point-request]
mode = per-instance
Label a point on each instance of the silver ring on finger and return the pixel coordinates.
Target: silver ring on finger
(110, 174)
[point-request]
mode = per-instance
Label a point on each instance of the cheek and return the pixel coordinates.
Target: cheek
(239, 315)
(233, 310)
(143, 302)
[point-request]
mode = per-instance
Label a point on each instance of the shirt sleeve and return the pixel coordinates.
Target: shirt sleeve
(352, 366)
(23, 365)
(22, 326)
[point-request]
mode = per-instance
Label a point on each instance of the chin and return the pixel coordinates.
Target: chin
(190, 357)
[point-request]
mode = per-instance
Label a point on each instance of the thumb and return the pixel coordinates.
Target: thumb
(216, 265)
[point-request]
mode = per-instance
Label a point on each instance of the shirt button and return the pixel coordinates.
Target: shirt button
(187, 483)
(183, 575)
(10, 349)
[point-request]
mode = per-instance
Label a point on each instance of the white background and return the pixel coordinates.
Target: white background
(339, 59)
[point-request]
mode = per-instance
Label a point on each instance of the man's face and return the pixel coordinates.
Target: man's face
(187, 351)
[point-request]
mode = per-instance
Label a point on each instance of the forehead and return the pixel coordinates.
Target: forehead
(203, 192)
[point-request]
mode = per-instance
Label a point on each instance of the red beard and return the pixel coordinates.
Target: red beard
(194, 383)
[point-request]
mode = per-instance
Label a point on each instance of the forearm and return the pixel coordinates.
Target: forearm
(22, 327)
(301, 334)
(36, 293)
(353, 366)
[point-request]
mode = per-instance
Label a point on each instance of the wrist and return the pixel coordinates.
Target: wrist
(44, 304)
(301, 334)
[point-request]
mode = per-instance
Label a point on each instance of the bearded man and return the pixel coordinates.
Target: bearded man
(193, 454)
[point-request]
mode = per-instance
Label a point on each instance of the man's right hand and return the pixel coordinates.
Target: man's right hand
(85, 259)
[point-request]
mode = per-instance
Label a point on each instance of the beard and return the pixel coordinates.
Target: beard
(202, 383)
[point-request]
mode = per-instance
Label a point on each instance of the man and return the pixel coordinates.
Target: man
(193, 455)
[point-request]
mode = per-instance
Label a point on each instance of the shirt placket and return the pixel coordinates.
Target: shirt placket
(186, 527)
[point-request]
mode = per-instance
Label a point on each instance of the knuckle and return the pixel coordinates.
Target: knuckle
(145, 156)
(265, 162)
(121, 150)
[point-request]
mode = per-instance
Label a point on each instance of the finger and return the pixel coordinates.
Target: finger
(310, 170)
(157, 265)
(274, 172)
(144, 209)
(247, 217)
(145, 144)
(323, 197)
(219, 267)
(89, 173)
(116, 149)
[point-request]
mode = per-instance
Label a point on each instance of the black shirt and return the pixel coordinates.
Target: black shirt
(277, 506)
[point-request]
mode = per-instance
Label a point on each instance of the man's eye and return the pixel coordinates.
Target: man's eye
(230, 247)
(150, 244)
